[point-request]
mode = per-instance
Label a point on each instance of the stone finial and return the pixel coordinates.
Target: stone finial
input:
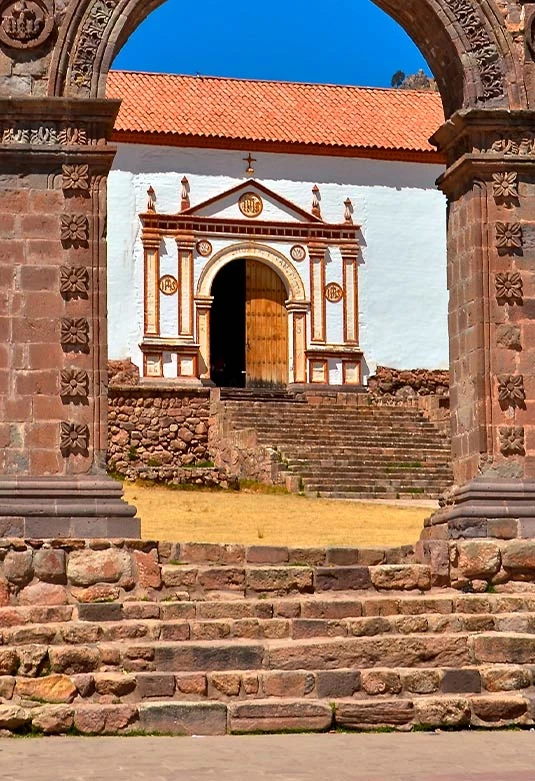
(348, 212)
(316, 208)
(151, 205)
(184, 198)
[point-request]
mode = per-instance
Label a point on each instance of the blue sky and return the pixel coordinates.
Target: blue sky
(340, 42)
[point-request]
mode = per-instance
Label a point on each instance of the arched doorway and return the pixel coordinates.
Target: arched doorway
(248, 326)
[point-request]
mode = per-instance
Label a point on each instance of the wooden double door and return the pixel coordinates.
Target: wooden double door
(249, 326)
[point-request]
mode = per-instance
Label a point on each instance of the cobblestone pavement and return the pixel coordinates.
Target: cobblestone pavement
(503, 756)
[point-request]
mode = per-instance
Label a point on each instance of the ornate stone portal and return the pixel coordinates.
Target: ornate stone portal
(55, 156)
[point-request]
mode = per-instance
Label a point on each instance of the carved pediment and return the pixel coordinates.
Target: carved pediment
(252, 201)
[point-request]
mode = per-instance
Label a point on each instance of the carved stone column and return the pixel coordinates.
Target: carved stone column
(204, 305)
(185, 245)
(351, 294)
(316, 251)
(490, 184)
(54, 159)
(298, 312)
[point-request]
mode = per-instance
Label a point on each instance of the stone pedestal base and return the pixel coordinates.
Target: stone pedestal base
(48, 507)
(504, 509)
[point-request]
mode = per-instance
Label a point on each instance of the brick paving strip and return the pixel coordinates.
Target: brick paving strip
(481, 756)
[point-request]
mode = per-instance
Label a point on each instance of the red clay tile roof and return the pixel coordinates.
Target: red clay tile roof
(204, 108)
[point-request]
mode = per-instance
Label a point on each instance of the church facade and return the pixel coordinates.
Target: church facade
(258, 237)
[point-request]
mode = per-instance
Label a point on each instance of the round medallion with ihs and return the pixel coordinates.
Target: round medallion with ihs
(298, 253)
(204, 248)
(168, 285)
(250, 205)
(333, 292)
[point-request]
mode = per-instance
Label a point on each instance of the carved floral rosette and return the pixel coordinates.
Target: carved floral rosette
(512, 441)
(74, 439)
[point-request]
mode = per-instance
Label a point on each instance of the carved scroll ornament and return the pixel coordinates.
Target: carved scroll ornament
(483, 49)
(92, 34)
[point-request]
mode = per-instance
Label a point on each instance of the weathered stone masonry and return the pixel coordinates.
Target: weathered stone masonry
(110, 636)
(54, 124)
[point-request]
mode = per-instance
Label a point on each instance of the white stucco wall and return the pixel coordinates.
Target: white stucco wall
(402, 271)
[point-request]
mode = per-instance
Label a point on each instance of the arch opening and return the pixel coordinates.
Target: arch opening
(248, 326)
(467, 49)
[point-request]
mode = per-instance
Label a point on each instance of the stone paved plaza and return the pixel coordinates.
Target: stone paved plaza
(481, 756)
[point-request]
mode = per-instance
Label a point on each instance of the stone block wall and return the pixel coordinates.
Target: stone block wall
(152, 428)
(399, 385)
(238, 452)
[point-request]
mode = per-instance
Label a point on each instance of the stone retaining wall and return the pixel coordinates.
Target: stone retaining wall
(396, 385)
(59, 572)
(151, 427)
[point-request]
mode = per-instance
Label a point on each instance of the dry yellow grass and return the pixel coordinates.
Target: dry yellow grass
(271, 519)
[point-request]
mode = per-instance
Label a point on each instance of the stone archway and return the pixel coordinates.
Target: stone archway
(296, 305)
(55, 158)
(276, 260)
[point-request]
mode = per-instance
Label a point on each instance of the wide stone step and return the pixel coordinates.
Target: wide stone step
(340, 426)
(251, 685)
(181, 628)
(415, 650)
(335, 605)
(271, 715)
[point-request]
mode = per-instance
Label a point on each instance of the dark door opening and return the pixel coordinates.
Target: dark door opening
(227, 327)
(248, 327)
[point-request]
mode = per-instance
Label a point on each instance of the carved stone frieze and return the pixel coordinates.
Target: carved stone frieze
(509, 287)
(92, 33)
(509, 237)
(74, 384)
(42, 134)
(512, 441)
(505, 187)
(484, 50)
(74, 332)
(74, 439)
(25, 24)
(511, 391)
(73, 281)
(75, 177)
(74, 229)
(515, 144)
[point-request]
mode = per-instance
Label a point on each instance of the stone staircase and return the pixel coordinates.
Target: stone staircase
(348, 451)
(209, 639)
